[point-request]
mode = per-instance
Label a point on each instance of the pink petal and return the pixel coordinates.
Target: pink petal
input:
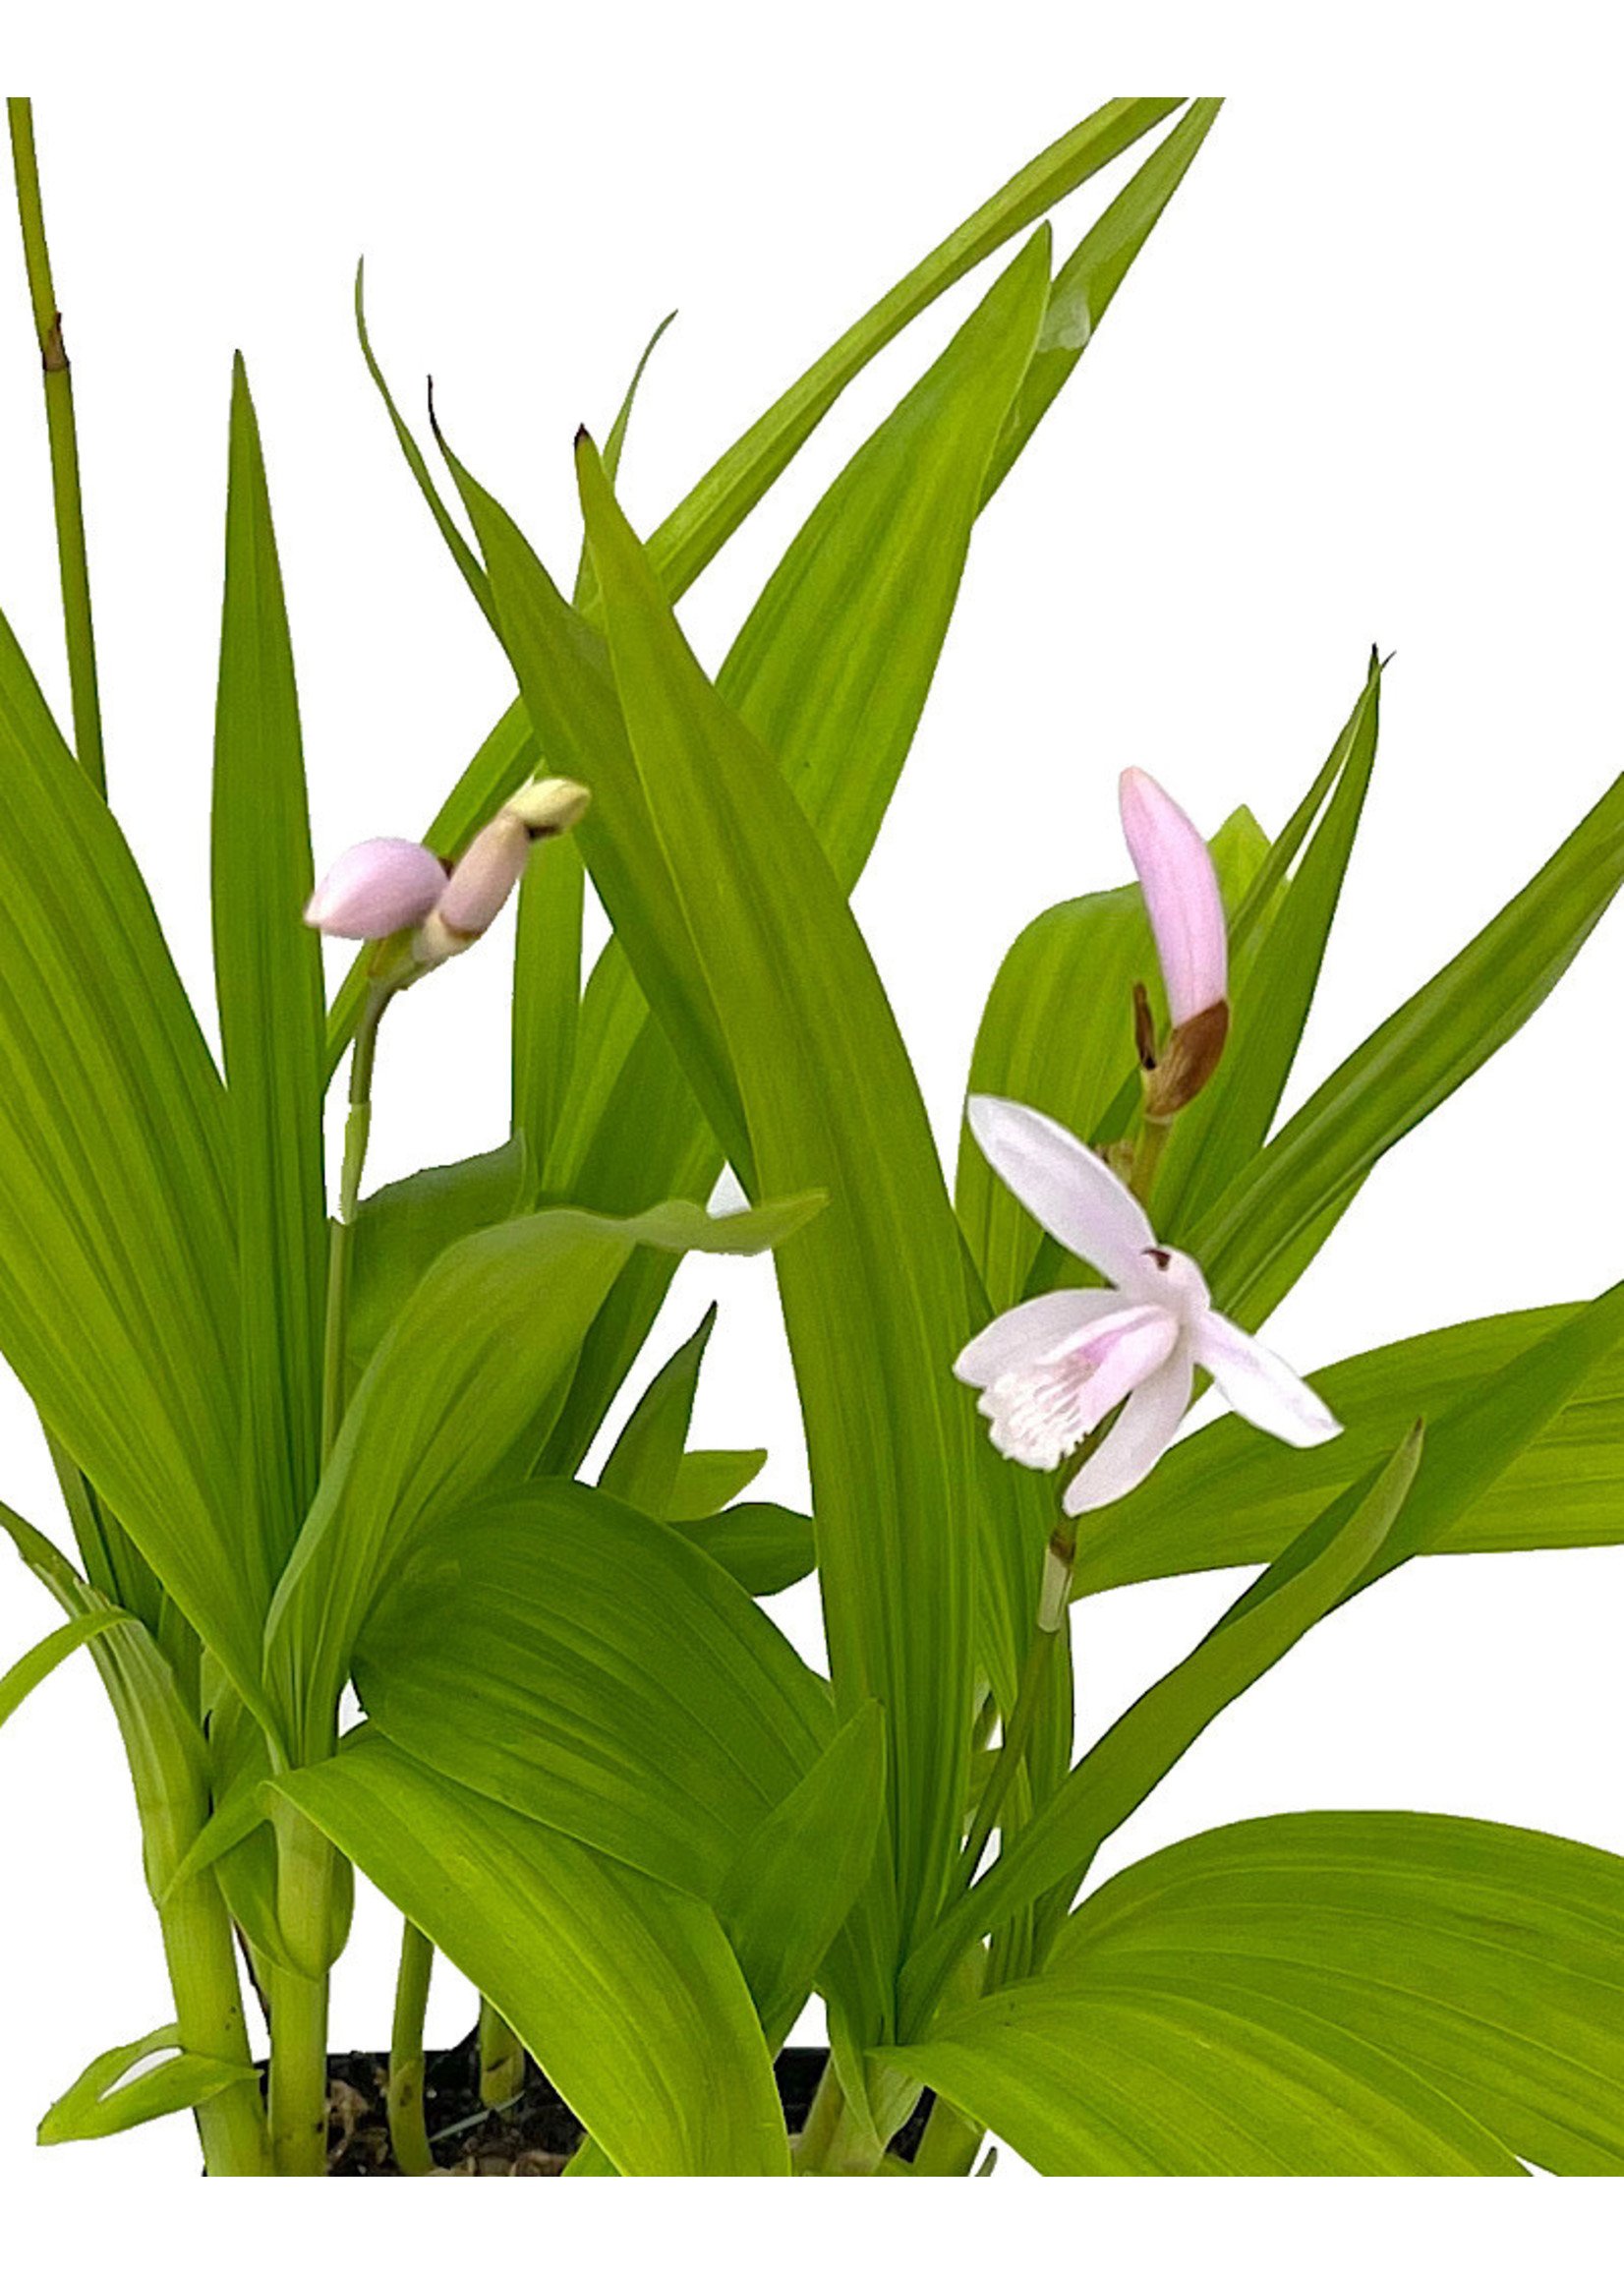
(484, 876)
(1141, 1433)
(1180, 896)
(1074, 1195)
(1262, 1388)
(379, 887)
(1033, 1331)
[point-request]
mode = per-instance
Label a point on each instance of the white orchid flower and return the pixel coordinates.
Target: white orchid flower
(1053, 1368)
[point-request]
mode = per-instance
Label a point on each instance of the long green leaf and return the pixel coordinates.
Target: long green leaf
(584, 1664)
(118, 1278)
(1488, 1959)
(488, 1331)
(267, 976)
(21, 1680)
(624, 1990)
(1229, 1495)
(401, 1228)
(876, 1302)
(546, 988)
(1413, 1063)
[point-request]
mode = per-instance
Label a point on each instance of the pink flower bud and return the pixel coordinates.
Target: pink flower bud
(477, 889)
(1181, 896)
(379, 887)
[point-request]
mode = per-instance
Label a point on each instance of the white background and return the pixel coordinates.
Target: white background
(1362, 387)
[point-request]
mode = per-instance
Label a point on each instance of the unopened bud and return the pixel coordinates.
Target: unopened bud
(549, 805)
(477, 889)
(378, 886)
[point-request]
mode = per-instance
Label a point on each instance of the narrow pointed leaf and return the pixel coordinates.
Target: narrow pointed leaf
(761, 1545)
(546, 990)
(25, 1677)
(1415, 1061)
(267, 975)
(706, 1480)
(646, 1457)
(118, 1270)
(401, 1228)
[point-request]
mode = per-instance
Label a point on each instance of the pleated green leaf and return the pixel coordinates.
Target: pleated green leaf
(268, 977)
(624, 1990)
(401, 1228)
(1058, 1034)
(586, 1664)
(646, 1460)
(1261, 2019)
(1060, 1840)
(1230, 1495)
(98, 2104)
(118, 1271)
(1413, 1063)
(1489, 1960)
(876, 1302)
(487, 1333)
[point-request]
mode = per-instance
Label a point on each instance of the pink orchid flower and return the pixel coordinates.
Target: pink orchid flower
(1052, 1370)
(1180, 896)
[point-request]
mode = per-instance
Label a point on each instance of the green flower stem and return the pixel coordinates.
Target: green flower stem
(1149, 1149)
(408, 2131)
(209, 2007)
(64, 445)
(357, 1128)
(501, 2059)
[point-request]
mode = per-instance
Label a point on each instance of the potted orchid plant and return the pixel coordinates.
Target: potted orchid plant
(371, 1585)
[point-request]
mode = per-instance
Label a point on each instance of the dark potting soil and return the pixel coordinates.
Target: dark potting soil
(532, 2137)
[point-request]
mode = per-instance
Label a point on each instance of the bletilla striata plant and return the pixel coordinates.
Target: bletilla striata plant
(309, 1462)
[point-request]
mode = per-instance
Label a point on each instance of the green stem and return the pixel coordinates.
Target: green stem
(834, 2143)
(408, 2130)
(63, 435)
(995, 1791)
(950, 2144)
(209, 2007)
(501, 2059)
(357, 1128)
(1149, 1149)
(298, 2073)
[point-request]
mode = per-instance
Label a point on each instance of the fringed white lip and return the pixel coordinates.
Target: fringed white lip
(1052, 1370)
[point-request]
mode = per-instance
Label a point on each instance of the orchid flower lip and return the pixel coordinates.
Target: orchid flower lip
(1052, 1370)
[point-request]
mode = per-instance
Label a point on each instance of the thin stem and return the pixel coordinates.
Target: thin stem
(501, 2059)
(1149, 1149)
(408, 2130)
(1011, 1752)
(63, 435)
(357, 1128)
